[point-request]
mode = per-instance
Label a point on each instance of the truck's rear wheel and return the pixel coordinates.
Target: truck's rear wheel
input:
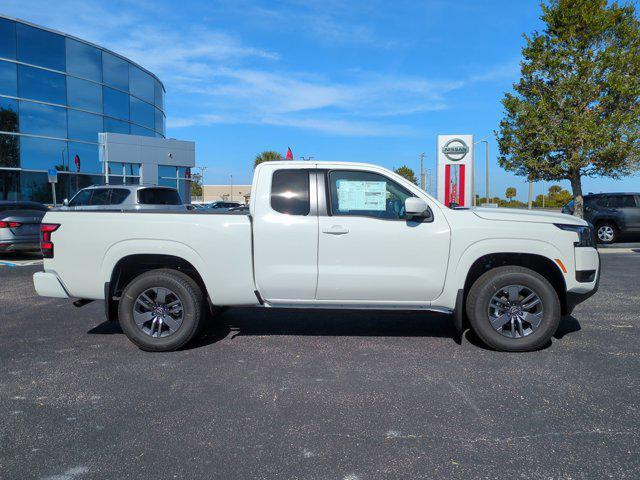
(161, 310)
(513, 309)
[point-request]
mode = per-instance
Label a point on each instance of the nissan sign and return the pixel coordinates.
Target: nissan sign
(455, 149)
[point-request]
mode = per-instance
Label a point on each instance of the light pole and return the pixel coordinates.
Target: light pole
(486, 143)
(423, 182)
(202, 170)
(231, 179)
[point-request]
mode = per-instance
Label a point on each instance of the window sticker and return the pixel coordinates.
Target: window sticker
(361, 195)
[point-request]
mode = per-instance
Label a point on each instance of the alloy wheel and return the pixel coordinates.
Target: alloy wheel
(515, 311)
(158, 312)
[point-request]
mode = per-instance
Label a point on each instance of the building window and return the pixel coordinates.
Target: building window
(115, 126)
(35, 186)
(115, 71)
(9, 151)
(7, 39)
(123, 173)
(84, 126)
(138, 130)
(84, 158)
(116, 104)
(84, 60)
(43, 154)
(84, 95)
(141, 84)
(159, 95)
(9, 184)
(176, 177)
(8, 115)
(159, 121)
(142, 113)
(40, 119)
(42, 85)
(8, 79)
(39, 47)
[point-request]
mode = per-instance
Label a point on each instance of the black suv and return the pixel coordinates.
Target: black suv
(612, 214)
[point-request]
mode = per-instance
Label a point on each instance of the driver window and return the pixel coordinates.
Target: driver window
(366, 194)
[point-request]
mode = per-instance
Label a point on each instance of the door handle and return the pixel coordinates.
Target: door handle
(336, 230)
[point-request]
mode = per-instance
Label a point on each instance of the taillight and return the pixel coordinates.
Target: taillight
(46, 245)
(4, 224)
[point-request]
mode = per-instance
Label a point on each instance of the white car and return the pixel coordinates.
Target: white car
(324, 235)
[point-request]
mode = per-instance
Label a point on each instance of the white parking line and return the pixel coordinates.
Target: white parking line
(20, 263)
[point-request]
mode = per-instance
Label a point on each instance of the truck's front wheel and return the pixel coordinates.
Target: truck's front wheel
(513, 309)
(161, 310)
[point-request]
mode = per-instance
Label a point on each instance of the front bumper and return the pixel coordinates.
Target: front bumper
(48, 284)
(586, 259)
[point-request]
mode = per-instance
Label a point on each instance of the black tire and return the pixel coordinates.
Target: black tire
(607, 232)
(190, 296)
(483, 290)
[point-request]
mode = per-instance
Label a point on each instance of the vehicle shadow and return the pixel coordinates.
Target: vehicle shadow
(569, 324)
(237, 322)
(353, 323)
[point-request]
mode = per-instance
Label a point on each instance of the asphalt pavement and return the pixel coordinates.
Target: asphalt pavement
(294, 394)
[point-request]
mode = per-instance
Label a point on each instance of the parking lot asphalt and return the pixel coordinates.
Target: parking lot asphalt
(319, 395)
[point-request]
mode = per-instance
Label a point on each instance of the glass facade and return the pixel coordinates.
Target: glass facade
(176, 177)
(56, 94)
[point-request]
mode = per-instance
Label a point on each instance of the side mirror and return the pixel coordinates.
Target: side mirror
(416, 207)
(65, 202)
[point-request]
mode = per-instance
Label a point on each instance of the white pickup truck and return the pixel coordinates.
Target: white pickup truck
(324, 235)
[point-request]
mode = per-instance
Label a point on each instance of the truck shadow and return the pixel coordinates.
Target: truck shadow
(257, 321)
(237, 322)
(567, 325)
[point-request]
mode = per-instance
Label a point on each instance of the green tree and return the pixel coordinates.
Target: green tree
(407, 173)
(267, 156)
(510, 193)
(557, 196)
(575, 111)
(196, 185)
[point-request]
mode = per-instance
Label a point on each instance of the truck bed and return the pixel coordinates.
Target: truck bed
(89, 244)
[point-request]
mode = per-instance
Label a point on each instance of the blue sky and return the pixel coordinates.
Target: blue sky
(367, 81)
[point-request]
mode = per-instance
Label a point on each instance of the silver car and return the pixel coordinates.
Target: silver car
(125, 197)
(20, 226)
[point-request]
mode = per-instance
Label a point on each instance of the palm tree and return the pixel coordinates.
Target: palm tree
(267, 156)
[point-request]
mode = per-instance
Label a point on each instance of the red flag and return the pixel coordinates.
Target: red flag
(289, 154)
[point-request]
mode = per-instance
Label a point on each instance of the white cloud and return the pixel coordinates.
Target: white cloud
(214, 77)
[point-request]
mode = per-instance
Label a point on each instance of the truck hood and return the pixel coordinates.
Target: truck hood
(521, 215)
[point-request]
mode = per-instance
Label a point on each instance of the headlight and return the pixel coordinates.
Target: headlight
(586, 234)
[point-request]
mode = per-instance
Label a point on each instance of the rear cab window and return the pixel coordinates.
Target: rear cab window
(158, 196)
(290, 192)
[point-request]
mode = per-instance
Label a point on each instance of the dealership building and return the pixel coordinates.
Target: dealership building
(89, 114)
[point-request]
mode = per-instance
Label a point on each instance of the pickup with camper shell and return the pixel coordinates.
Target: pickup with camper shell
(324, 235)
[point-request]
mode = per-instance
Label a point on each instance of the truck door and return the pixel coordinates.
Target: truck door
(285, 230)
(369, 251)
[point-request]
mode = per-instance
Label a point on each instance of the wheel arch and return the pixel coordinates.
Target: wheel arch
(540, 264)
(130, 266)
